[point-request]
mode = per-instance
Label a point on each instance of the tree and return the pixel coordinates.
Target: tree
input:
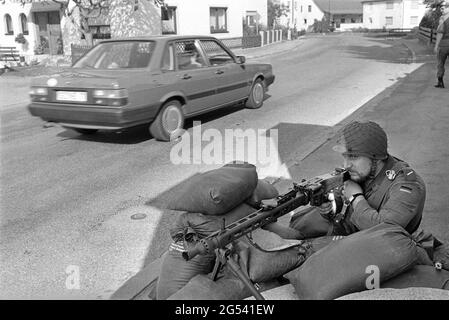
(275, 11)
(79, 11)
(433, 14)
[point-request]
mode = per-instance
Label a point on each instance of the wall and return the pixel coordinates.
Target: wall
(14, 10)
(401, 13)
(316, 13)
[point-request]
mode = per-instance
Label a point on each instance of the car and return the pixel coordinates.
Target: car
(159, 81)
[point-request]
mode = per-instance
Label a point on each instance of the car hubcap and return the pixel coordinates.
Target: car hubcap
(258, 93)
(172, 119)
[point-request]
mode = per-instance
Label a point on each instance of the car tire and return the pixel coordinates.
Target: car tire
(256, 95)
(169, 122)
(85, 131)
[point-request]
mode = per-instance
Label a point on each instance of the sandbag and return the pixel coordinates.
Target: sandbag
(192, 227)
(310, 223)
(441, 255)
(201, 287)
(272, 258)
(264, 190)
(419, 276)
(343, 266)
(314, 245)
(177, 272)
(189, 228)
(218, 191)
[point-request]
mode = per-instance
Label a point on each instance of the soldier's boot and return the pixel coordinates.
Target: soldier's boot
(440, 83)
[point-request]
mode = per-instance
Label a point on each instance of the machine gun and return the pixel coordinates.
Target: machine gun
(314, 191)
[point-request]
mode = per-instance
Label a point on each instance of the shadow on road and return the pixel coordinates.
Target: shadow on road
(389, 51)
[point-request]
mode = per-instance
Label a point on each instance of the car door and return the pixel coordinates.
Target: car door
(193, 76)
(233, 81)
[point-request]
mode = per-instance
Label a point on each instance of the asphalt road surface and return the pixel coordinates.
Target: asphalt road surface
(67, 199)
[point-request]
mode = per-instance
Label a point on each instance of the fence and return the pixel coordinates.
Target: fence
(427, 35)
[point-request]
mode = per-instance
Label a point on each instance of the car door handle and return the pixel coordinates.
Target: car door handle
(186, 76)
(219, 72)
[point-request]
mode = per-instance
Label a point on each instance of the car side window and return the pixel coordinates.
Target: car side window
(188, 56)
(216, 54)
(168, 60)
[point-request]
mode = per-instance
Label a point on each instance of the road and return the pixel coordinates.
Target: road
(67, 200)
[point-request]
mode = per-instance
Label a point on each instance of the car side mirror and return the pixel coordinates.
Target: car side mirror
(241, 59)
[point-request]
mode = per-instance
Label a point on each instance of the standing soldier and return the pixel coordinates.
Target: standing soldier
(442, 45)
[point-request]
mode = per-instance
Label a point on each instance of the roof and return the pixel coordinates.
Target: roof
(161, 37)
(340, 6)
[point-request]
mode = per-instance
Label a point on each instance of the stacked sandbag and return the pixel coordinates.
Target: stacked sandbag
(264, 190)
(218, 191)
(441, 256)
(189, 228)
(211, 201)
(344, 266)
(420, 276)
(270, 256)
(311, 223)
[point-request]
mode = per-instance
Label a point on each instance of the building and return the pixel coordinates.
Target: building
(48, 31)
(403, 14)
(344, 14)
(39, 22)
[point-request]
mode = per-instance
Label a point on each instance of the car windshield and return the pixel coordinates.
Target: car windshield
(118, 55)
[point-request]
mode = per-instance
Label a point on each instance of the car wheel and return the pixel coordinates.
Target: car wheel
(168, 122)
(256, 95)
(85, 131)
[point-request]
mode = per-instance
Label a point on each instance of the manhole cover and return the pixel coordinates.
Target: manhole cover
(138, 216)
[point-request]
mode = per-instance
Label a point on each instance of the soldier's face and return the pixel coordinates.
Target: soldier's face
(359, 167)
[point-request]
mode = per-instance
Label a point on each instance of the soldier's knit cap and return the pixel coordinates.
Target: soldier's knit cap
(363, 139)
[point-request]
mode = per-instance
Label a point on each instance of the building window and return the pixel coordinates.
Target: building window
(352, 20)
(414, 4)
(305, 21)
(24, 23)
(168, 17)
(251, 18)
(301, 8)
(8, 25)
(388, 21)
(370, 20)
(342, 20)
(310, 8)
(99, 32)
(218, 20)
(390, 5)
(414, 20)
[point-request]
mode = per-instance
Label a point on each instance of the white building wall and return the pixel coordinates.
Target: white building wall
(14, 10)
(305, 18)
(193, 16)
(261, 6)
(375, 14)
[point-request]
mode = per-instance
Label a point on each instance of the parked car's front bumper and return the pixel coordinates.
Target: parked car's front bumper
(93, 117)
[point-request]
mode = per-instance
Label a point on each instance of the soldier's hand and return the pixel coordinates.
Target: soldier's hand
(350, 188)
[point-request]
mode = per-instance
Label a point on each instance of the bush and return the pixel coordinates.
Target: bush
(21, 39)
